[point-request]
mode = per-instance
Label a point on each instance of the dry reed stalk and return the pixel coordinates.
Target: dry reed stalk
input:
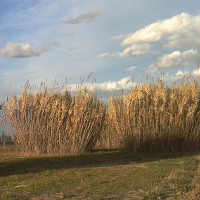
(53, 123)
(155, 118)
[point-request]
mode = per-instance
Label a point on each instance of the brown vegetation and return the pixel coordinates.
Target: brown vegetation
(154, 117)
(46, 123)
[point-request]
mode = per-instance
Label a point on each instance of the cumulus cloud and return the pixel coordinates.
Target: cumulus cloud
(156, 31)
(86, 17)
(125, 83)
(188, 37)
(23, 50)
(176, 59)
(136, 50)
(181, 75)
(103, 55)
(180, 31)
(175, 77)
(196, 72)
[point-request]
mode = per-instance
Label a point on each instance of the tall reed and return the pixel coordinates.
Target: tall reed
(55, 123)
(155, 118)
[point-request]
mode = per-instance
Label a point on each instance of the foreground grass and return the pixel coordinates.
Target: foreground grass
(96, 175)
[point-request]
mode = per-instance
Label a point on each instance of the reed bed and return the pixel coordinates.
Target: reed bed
(156, 118)
(54, 123)
(153, 117)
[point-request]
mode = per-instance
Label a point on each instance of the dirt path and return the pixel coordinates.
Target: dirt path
(194, 194)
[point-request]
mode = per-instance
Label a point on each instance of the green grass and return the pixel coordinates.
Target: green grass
(95, 175)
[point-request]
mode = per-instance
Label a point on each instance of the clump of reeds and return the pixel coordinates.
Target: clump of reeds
(155, 117)
(56, 123)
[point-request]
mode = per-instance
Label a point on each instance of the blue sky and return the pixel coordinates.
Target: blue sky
(44, 40)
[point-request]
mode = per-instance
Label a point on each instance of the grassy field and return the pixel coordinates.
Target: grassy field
(101, 174)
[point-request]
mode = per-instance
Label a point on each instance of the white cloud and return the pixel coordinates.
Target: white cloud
(176, 59)
(188, 37)
(175, 77)
(156, 31)
(179, 75)
(23, 50)
(103, 55)
(182, 73)
(87, 17)
(196, 72)
(125, 83)
(131, 69)
(180, 31)
(136, 50)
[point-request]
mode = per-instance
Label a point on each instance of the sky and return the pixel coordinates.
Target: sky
(119, 42)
